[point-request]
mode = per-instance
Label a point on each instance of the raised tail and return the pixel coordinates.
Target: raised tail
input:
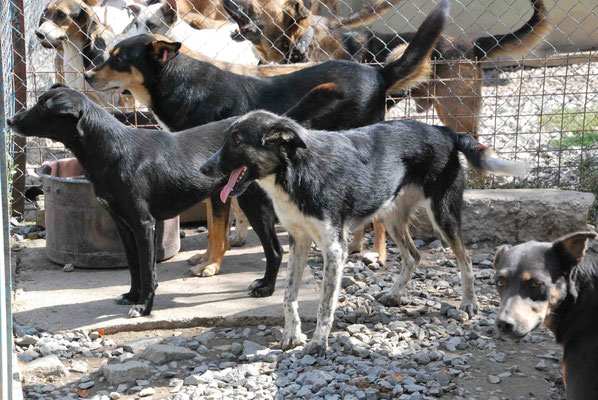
(485, 159)
(516, 43)
(366, 15)
(407, 67)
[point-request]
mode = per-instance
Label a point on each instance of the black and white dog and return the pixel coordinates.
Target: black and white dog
(323, 184)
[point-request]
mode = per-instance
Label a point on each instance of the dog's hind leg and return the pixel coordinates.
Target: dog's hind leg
(334, 249)
(397, 225)
(356, 245)
(299, 245)
(445, 213)
(380, 240)
(217, 239)
(258, 208)
(239, 238)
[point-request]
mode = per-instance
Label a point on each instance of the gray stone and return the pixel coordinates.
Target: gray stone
(126, 372)
(49, 346)
(510, 215)
(206, 337)
(86, 385)
(28, 355)
(254, 351)
(308, 360)
(115, 395)
(27, 340)
(79, 366)
(236, 348)
(147, 392)
(138, 346)
(493, 379)
(45, 366)
(163, 353)
(316, 378)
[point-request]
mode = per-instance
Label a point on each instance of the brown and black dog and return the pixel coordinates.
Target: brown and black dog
(286, 31)
(275, 27)
(554, 283)
(183, 92)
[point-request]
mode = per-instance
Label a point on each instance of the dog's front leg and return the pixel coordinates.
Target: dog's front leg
(298, 252)
(239, 238)
(128, 240)
(145, 238)
(334, 261)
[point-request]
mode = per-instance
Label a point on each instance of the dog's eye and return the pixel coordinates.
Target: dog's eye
(60, 15)
(150, 25)
(501, 282)
(537, 290)
(235, 138)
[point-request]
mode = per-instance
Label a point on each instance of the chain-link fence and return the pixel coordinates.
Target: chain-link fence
(533, 96)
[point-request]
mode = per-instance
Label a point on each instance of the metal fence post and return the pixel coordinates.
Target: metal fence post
(6, 370)
(20, 90)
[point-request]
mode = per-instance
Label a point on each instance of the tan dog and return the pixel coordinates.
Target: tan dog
(286, 31)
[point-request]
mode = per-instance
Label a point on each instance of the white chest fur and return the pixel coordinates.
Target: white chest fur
(289, 214)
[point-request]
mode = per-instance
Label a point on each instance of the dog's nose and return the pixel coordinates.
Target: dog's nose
(504, 326)
(87, 75)
(39, 35)
(207, 169)
(10, 122)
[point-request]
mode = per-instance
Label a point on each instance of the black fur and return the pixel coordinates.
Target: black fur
(565, 280)
(185, 92)
(141, 175)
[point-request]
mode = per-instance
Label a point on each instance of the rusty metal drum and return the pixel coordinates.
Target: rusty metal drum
(80, 231)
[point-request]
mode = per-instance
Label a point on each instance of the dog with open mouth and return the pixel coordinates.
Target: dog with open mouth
(323, 184)
(555, 284)
(183, 92)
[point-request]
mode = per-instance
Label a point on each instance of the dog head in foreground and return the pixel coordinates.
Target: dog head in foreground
(533, 278)
(55, 116)
(255, 146)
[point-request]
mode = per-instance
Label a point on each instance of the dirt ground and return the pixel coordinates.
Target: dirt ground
(528, 369)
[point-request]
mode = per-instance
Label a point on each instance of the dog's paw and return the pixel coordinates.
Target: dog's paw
(261, 288)
(471, 307)
(206, 269)
(197, 259)
(237, 241)
(127, 299)
(138, 310)
(389, 300)
(290, 341)
(316, 348)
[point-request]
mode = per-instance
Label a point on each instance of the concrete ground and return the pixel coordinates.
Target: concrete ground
(54, 300)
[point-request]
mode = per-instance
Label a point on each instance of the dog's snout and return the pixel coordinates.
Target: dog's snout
(10, 122)
(39, 34)
(88, 75)
(504, 326)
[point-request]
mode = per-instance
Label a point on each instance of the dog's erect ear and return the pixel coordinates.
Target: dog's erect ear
(134, 8)
(500, 252)
(169, 11)
(283, 132)
(164, 50)
(572, 248)
(297, 10)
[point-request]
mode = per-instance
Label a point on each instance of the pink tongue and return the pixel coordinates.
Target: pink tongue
(230, 185)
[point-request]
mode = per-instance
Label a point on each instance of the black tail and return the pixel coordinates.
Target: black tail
(515, 43)
(483, 157)
(414, 63)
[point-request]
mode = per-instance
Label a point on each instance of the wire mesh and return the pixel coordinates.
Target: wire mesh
(541, 107)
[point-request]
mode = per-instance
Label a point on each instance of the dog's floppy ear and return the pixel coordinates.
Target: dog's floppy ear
(58, 85)
(164, 50)
(60, 103)
(284, 132)
(134, 8)
(572, 248)
(500, 252)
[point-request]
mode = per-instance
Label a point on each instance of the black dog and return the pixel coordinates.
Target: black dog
(183, 92)
(322, 184)
(555, 284)
(141, 175)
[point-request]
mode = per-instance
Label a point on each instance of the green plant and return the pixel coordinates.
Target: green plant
(579, 128)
